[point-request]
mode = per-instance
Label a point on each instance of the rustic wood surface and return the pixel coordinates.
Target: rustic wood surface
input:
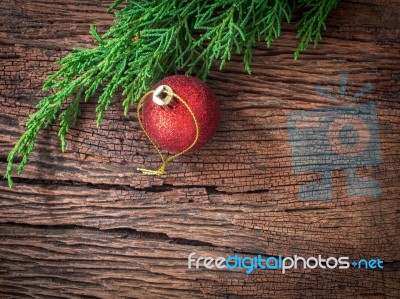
(84, 224)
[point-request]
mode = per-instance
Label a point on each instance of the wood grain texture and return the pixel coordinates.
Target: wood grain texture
(84, 224)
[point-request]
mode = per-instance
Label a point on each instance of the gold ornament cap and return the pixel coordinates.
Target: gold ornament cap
(163, 95)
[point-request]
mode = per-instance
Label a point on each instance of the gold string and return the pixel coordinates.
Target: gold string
(160, 171)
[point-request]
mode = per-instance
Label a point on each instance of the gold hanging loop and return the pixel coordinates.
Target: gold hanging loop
(161, 170)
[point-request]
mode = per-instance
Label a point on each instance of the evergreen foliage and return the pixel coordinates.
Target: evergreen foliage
(152, 39)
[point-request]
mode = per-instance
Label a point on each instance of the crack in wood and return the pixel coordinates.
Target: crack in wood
(124, 232)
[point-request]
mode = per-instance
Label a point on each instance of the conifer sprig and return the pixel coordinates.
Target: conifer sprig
(152, 39)
(313, 22)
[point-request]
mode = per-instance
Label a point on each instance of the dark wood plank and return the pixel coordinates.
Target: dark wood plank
(248, 223)
(84, 223)
(70, 263)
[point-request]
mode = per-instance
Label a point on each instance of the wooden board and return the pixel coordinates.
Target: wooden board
(85, 224)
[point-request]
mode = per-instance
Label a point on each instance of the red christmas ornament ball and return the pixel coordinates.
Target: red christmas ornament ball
(172, 127)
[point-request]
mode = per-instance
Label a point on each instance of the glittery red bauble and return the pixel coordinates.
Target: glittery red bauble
(173, 129)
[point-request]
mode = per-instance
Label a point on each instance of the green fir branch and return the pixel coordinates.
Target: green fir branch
(313, 22)
(153, 39)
